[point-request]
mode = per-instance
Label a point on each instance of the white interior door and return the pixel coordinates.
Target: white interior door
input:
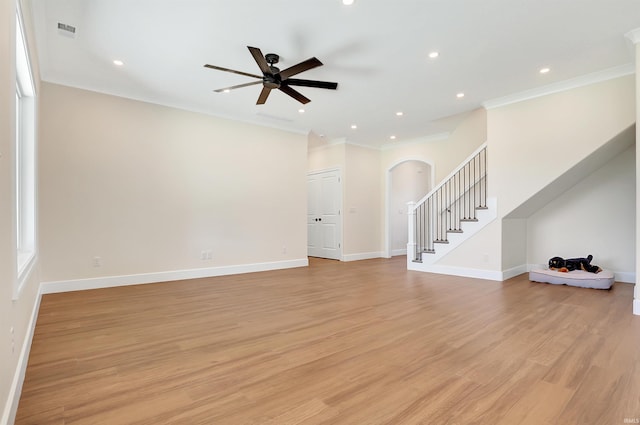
(324, 220)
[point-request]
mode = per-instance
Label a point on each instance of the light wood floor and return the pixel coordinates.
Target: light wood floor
(336, 343)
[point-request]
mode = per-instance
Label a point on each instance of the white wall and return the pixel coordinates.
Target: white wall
(365, 173)
(514, 243)
(363, 203)
(327, 156)
(361, 198)
(410, 181)
(147, 188)
(597, 216)
(533, 142)
(530, 144)
(444, 153)
(14, 314)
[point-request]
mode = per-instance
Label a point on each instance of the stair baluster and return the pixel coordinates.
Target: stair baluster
(455, 200)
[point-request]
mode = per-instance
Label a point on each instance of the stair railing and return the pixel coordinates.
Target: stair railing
(454, 201)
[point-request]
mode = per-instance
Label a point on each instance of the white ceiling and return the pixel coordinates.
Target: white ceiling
(377, 50)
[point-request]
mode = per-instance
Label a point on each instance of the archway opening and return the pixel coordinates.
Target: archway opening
(407, 181)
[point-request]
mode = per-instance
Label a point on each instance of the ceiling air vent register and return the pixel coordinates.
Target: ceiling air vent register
(66, 29)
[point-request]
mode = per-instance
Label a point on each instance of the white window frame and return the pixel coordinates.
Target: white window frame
(25, 161)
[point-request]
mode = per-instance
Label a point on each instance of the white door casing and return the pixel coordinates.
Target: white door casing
(324, 214)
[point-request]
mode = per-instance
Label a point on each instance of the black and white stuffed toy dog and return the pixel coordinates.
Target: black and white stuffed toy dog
(570, 264)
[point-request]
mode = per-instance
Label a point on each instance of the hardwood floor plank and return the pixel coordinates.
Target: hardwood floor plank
(541, 404)
(364, 342)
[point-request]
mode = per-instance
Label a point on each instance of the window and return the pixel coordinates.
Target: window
(24, 161)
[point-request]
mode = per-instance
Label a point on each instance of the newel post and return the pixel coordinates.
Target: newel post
(411, 240)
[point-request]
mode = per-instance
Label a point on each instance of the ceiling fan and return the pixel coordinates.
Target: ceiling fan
(273, 78)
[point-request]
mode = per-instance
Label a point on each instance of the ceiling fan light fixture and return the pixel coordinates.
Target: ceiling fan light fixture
(273, 78)
(348, 2)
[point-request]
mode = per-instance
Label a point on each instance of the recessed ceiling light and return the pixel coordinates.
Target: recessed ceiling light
(460, 95)
(434, 55)
(347, 2)
(545, 70)
(353, 126)
(399, 113)
(392, 137)
(118, 62)
(301, 111)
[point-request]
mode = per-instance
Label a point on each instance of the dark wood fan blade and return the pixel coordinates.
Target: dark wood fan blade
(301, 67)
(238, 86)
(311, 83)
(294, 94)
(219, 68)
(264, 94)
(260, 60)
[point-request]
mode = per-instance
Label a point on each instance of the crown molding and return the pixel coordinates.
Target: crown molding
(585, 80)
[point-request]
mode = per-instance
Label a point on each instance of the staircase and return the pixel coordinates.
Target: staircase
(453, 211)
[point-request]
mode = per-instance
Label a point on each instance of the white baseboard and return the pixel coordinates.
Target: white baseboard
(626, 277)
(11, 407)
(362, 256)
(398, 252)
(514, 271)
(455, 271)
(636, 307)
(536, 266)
(137, 279)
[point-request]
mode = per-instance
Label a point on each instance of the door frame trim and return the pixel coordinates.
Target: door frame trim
(341, 207)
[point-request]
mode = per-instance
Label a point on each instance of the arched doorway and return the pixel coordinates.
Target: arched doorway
(407, 180)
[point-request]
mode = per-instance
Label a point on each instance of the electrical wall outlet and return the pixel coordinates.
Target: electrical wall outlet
(97, 261)
(206, 254)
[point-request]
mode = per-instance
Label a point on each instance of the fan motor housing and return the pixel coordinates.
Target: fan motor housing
(272, 58)
(271, 81)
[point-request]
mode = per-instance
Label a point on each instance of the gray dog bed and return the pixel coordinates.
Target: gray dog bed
(581, 278)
